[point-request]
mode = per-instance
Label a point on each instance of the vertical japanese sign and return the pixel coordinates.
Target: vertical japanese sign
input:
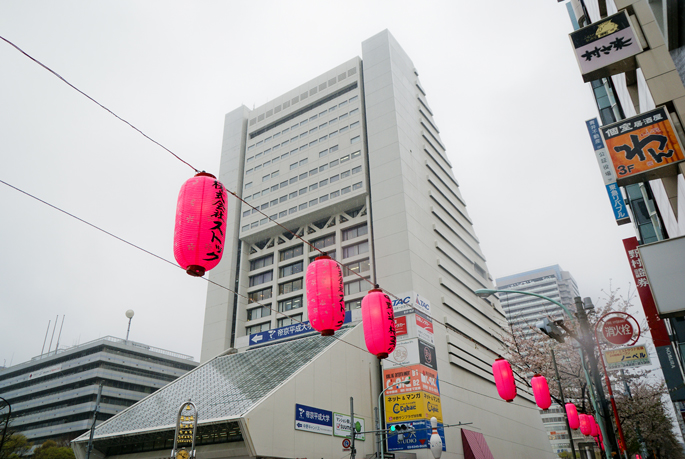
(603, 48)
(643, 147)
(657, 327)
(606, 167)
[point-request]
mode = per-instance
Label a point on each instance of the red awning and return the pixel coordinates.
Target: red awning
(475, 446)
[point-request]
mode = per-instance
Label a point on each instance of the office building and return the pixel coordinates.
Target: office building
(523, 311)
(53, 396)
(353, 163)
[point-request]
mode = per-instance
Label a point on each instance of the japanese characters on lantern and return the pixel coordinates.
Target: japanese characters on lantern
(200, 227)
(379, 323)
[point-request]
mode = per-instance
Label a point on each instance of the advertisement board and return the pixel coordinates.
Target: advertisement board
(626, 357)
(424, 329)
(606, 47)
(409, 303)
(421, 379)
(313, 419)
(341, 426)
(412, 406)
(644, 147)
(417, 439)
(411, 352)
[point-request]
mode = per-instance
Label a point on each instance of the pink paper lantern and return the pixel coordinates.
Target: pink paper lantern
(325, 295)
(572, 415)
(379, 323)
(585, 424)
(593, 427)
(541, 392)
(504, 379)
(200, 224)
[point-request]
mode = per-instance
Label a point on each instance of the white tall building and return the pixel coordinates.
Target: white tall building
(351, 161)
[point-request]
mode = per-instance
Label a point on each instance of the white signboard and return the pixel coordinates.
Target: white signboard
(405, 353)
(409, 303)
(45, 371)
(341, 426)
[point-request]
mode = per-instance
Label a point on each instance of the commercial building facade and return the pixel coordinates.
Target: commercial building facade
(351, 162)
(53, 396)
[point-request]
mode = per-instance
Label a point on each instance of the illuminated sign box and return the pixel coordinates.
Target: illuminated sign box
(644, 147)
(606, 47)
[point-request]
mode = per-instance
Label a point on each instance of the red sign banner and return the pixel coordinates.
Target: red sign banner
(401, 325)
(617, 330)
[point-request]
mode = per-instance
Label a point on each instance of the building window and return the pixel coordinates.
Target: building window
(354, 304)
(335, 194)
(345, 190)
(323, 198)
(323, 153)
(302, 206)
(292, 210)
(345, 174)
(356, 154)
(282, 213)
(261, 278)
(291, 286)
(357, 186)
(313, 202)
(293, 180)
(313, 187)
(356, 170)
(292, 252)
(246, 213)
(258, 313)
(293, 195)
(303, 161)
(261, 262)
(283, 199)
(296, 319)
(248, 185)
(355, 139)
(293, 166)
(335, 178)
(353, 112)
(290, 304)
(357, 231)
(257, 328)
(356, 249)
(334, 163)
(356, 267)
(323, 242)
(289, 270)
(355, 286)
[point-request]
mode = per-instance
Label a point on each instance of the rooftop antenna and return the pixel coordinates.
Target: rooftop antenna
(60, 334)
(53, 333)
(46, 338)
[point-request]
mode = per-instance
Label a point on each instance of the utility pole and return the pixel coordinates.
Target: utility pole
(563, 405)
(353, 431)
(586, 342)
(95, 417)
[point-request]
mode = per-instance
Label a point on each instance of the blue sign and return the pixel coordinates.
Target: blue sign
(287, 331)
(313, 419)
(595, 136)
(618, 205)
(419, 439)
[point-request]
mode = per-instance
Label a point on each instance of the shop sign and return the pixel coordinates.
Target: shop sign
(626, 357)
(412, 406)
(341, 426)
(643, 147)
(604, 47)
(421, 379)
(418, 439)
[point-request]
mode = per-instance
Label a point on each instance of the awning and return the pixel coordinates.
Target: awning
(475, 446)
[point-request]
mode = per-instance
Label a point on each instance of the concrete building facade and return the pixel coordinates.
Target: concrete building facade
(53, 396)
(352, 162)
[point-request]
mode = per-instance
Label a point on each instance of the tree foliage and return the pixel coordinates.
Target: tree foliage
(643, 410)
(15, 446)
(51, 450)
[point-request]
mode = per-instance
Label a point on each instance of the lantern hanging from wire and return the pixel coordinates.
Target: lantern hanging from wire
(585, 426)
(200, 228)
(378, 320)
(541, 392)
(593, 427)
(325, 295)
(572, 415)
(504, 379)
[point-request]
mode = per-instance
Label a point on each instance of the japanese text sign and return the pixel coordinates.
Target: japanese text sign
(420, 379)
(417, 439)
(643, 147)
(626, 357)
(412, 406)
(313, 420)
(617, 330)
(602, 48)
(341, 426)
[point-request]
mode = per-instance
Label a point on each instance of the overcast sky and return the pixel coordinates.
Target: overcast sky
(500, 77)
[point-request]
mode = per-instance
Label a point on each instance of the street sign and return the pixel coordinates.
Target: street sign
(617, 330)
(313, 419)
(626, 357)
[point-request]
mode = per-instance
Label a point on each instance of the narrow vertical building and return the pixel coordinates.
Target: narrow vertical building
(350, 163)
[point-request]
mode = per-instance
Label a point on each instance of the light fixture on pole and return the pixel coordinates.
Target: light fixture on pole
(380, 423)
(129, 314)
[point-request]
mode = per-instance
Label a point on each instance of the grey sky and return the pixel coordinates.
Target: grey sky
(500, 77)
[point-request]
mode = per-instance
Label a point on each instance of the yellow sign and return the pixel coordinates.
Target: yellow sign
(412, 407)
(626, 357)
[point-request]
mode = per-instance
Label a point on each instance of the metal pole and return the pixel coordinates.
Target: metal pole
(7, 422)
(622, 443)
(378, 428)
(95, 416)
(563, 402)
(353, 451)
(605, 417)
(46, 338)
(53, 333)
(129, 327)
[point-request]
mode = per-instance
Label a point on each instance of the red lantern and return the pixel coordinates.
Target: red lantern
(325, 295)
(541, 392)
(379, 323)
(593, 427)
(504, 379)
(200, 224)
(585, 424)
(572, 415)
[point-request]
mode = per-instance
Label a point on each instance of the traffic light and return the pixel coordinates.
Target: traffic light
(401, 430)
(551, 328)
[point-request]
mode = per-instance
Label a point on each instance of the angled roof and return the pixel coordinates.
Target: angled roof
(223, 388)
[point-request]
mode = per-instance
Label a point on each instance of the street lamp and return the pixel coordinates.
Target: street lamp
(380, 423)
(608, 435)
(129, 314)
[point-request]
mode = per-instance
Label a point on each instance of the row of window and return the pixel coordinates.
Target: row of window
(304, 175)
(304, 122)
(303, 206)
